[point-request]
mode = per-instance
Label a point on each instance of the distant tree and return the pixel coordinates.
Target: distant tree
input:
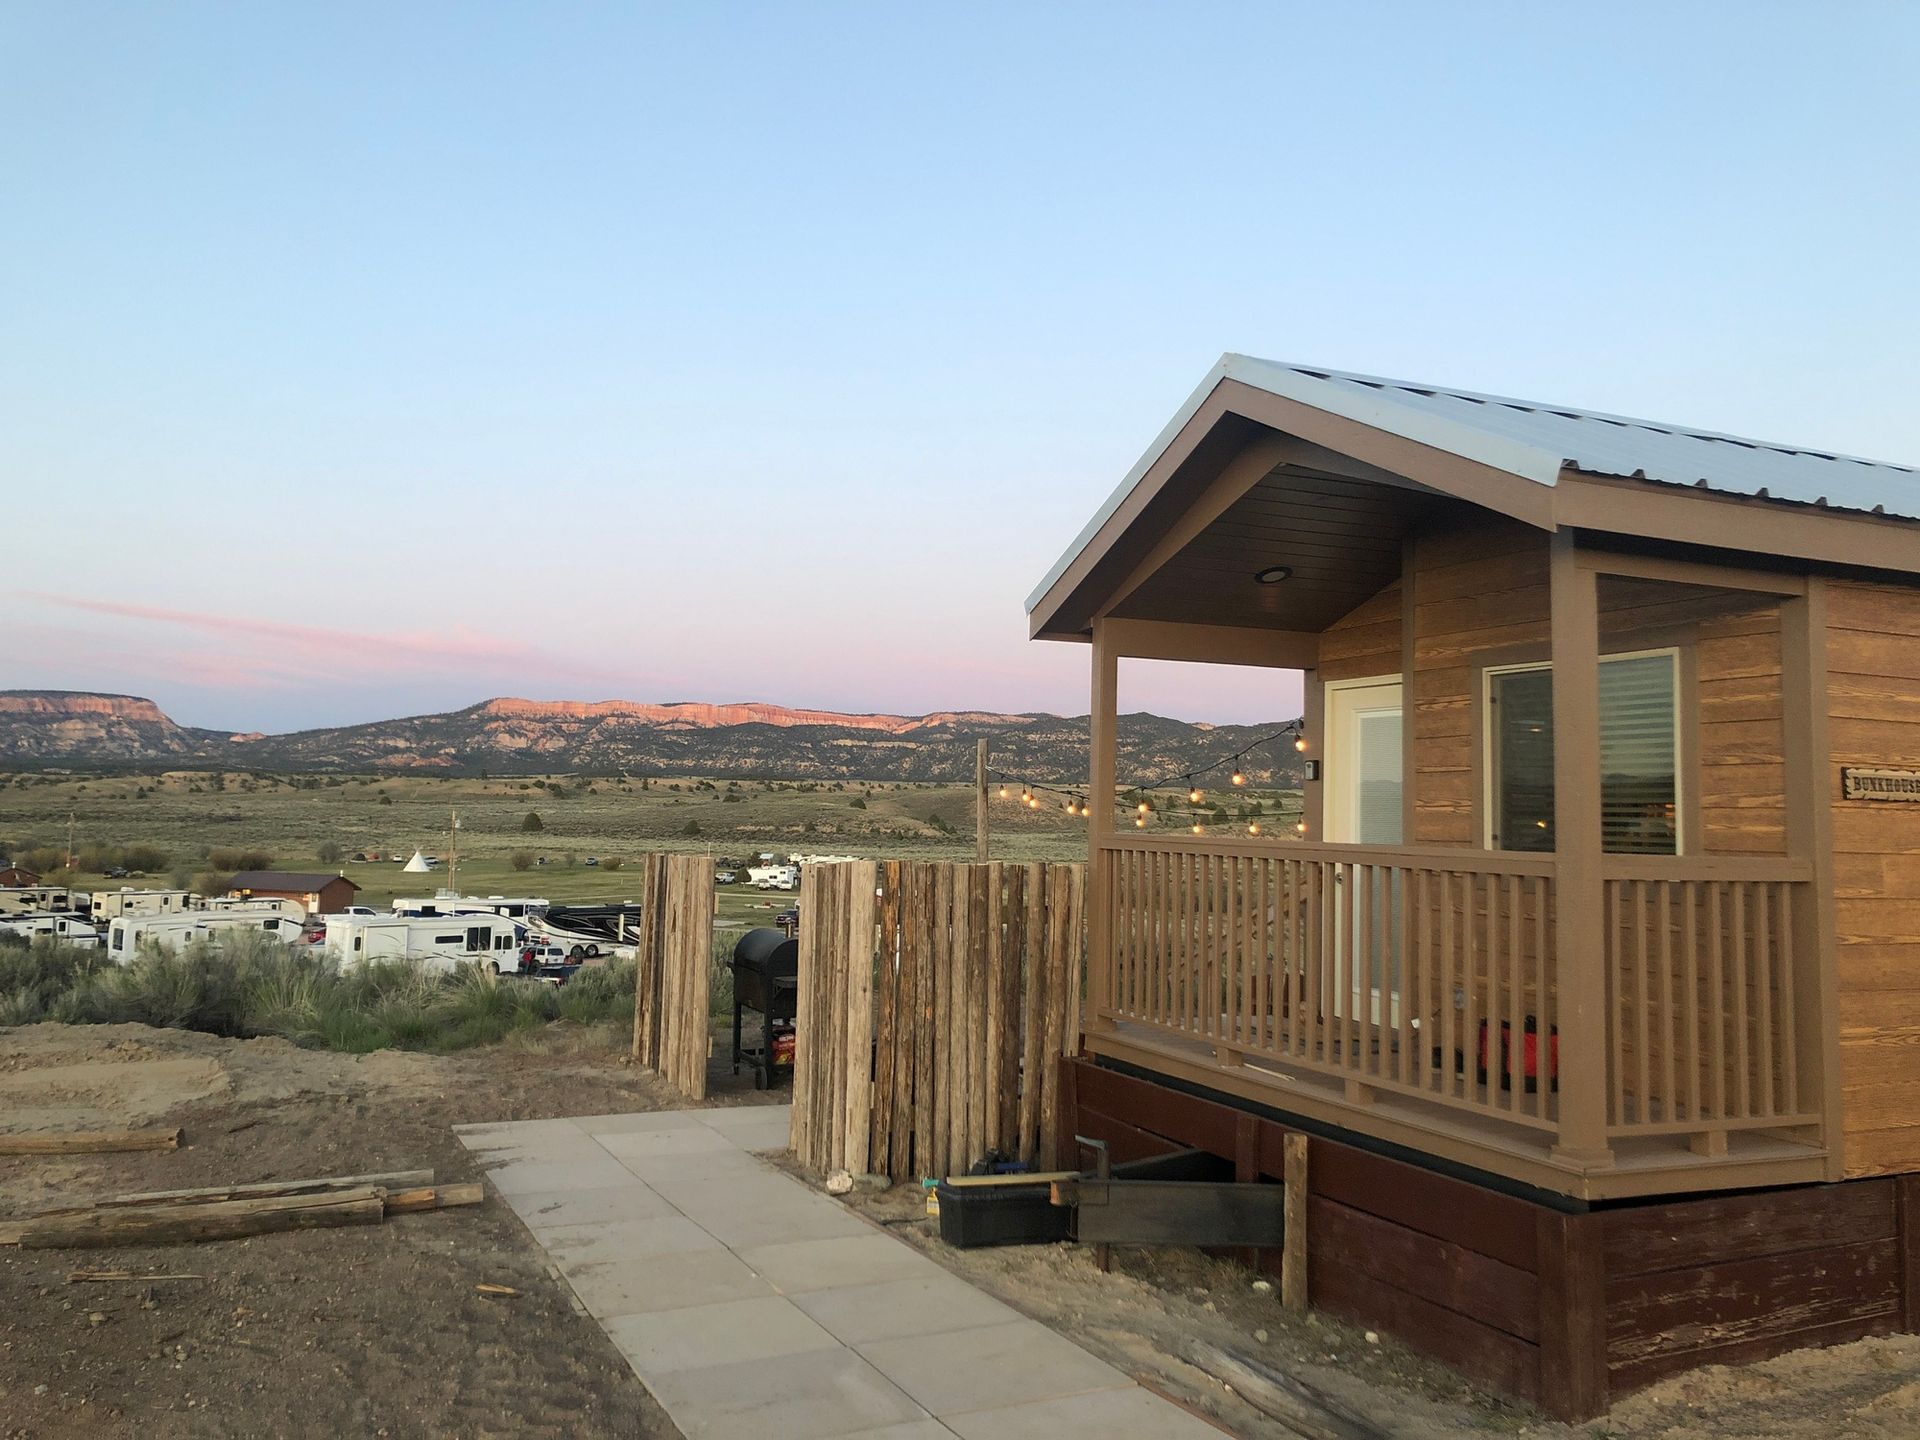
(520, 860)
(611, 862)
(329, 852)
(692, 827)
(858, 804)
(210, 882)
(533, 824)
(386, 799)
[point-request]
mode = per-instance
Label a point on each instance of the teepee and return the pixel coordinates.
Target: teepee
(418, 864)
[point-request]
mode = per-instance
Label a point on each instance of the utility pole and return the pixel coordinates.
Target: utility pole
(980, 802)
(453, 851)
(70, 841)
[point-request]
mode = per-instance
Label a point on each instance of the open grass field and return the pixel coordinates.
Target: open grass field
(293, 818)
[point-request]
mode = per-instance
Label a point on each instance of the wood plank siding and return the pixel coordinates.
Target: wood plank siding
(1873, 690)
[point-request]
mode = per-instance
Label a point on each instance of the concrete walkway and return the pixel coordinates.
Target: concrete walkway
(752, 1306)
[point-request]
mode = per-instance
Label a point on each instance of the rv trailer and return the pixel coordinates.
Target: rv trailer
(438, 942)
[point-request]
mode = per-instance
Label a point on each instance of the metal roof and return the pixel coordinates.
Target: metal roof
(1535, 441)
(302, 881)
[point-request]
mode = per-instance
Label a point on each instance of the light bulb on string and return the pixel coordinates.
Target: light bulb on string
(1254, 829)
(1196, 795)
(1239, 778)
(1301, 827)
(1003, 792)
(1143, 807)
(1197, 829)
(1299, 742)
(1139, 822)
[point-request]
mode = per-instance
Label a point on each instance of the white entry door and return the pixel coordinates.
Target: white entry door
(1365, 784)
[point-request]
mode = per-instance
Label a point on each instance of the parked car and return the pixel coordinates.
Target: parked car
(359, 910)
(726, 877)
(593, 859)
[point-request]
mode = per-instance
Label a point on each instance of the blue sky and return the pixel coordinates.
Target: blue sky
(359, 360)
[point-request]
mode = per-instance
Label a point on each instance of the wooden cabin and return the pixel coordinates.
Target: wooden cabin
(1594, 966)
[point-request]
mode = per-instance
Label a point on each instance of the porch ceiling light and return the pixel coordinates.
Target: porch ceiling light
(1273, 574)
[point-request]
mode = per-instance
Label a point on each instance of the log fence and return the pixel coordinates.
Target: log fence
(935, 999)
(673, 971)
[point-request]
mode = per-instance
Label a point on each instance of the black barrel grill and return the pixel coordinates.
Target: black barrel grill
(766, 980)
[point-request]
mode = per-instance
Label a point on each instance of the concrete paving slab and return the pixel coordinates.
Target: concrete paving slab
(1130, 1414)
(680, 1241)
(730, 1333)
(995, 1366)
(895, 1309)
(610, 1239)
(795, 1397)
(730, 1163)
(547, 1210)
(630, 1285)
(681, 1140)
(631, 1122)
(532, 1175)
(796, 1267)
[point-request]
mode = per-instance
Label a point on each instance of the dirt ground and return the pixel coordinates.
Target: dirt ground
(1140, 1315)
(374, 1330)
(379, 1331)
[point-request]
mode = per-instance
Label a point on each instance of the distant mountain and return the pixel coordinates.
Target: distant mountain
(508, 736)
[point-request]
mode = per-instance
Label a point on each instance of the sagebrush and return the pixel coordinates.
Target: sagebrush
(245, 984)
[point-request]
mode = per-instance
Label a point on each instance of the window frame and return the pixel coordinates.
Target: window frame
(1682, 750)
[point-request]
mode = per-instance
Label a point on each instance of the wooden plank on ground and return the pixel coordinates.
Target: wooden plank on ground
(90, 1142)
(219, 1220)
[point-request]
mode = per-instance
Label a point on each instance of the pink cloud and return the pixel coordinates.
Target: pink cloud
(280, 653)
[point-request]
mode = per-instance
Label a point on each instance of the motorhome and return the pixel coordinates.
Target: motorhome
(42, 900)
(129, 935)
(774, 877)
(588, 931)
(438, 942)
(69, 928)
(106, 905)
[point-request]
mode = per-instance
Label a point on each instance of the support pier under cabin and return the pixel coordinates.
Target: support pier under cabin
(1595, 972)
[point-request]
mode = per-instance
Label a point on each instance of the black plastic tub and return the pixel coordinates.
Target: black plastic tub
(972, 1216)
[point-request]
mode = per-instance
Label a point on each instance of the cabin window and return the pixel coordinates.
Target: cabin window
(1639, 773)
(359, 941)
(446, 939)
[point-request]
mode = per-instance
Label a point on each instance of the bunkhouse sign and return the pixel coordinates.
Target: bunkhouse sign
(1860, 783)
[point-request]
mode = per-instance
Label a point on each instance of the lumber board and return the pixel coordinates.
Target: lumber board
(1294, 1251)
(89, 1142)
(433, 1197)
(1294, 1403)
(198, 1222)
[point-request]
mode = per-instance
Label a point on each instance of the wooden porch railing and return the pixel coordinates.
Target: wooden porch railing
(1432, 974)
(1705, 1027)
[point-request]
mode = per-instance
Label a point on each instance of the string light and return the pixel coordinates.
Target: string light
(1139, 822)
(1300, 742)
(1199, 829)
(1238, 778)
(1003, 792)
(1144, 808)
(1196, 795)
(1254, 828)
(1301, 827)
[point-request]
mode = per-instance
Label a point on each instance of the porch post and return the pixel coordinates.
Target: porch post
(1809, 823)
(1580, 949)
(1100, 777)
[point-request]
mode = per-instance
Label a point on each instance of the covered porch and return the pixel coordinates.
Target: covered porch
(1560, 909)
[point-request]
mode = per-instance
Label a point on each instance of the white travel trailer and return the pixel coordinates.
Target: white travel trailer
(110, 904)
(128, 935)
(448, 902)
(42, 900)
(439, 942)
(774, 877)
(257, 906)
(69, 928)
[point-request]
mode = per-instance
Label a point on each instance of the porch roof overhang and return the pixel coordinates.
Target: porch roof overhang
(1327, 473)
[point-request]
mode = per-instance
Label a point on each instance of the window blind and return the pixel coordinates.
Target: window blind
(1638, 815)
